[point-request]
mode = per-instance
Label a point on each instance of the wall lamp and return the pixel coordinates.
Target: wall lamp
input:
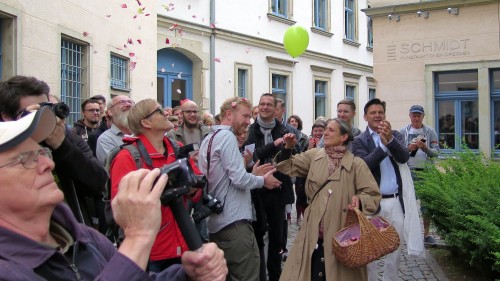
(453, 11)
(396, 17)
(424, 14)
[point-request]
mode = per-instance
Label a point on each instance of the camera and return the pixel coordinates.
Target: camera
(60, 109)
(414, 152)
(180, 178)
(210, 205)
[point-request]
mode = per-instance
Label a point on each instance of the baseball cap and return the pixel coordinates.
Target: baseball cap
(38, 125)
(417, 109)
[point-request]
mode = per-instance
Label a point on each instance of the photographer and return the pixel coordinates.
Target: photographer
(220, 160)
(149, 123)
(41, 240)
(81, 176)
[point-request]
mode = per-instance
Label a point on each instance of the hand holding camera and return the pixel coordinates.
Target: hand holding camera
(418, 142)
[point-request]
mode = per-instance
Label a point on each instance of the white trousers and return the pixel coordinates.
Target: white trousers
(391, 210)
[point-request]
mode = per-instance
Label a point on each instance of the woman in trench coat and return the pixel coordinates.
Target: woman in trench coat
(336, 181)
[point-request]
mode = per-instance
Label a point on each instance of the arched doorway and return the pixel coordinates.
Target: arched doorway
(174, 77)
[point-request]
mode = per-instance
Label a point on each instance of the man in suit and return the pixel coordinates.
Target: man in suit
(382, 149)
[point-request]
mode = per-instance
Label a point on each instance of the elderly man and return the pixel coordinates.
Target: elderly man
(41, 240)
(118, 108)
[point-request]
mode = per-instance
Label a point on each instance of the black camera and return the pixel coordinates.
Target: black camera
(60, 109)
(180, 178)
(210, 205)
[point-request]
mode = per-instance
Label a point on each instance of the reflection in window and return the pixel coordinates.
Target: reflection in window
(319, 98)
(370, 32)
(280, 7)
(350, 92)
(371, 93)
(320, 10)
(495, 108)
(457, 81)
(242, 83)
(279, 86)
(350, 20)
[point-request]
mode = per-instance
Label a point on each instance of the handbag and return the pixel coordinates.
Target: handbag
(364, 240)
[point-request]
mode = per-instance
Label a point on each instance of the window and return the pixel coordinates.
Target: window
(8, 35)
(350, 20)
(320, 14)
(495, 109)
(350, 92)
(319, 98)
(370, 33)
(371, 93)
(73, 77)
(280, 8)
(242, 83)
(119, 72)
(279, 86)
(456, 100)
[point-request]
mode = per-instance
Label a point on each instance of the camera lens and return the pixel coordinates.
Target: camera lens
(61, 110)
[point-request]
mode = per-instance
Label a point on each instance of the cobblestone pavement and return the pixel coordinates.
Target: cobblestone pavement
(409, 268)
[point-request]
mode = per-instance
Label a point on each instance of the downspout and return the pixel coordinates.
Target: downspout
(212, 57)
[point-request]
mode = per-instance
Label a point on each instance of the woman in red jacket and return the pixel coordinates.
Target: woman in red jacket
(149, 123)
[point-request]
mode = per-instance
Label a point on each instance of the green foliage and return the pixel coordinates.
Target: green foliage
(462, 194)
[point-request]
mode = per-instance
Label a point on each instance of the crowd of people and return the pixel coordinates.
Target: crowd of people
(256, 163)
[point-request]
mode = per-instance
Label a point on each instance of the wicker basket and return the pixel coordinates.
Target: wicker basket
(364, 240)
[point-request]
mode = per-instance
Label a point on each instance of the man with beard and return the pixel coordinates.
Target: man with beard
(191, 131)
(118, 109)
(91, 116)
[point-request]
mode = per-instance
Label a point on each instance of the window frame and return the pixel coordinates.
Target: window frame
(350, 21)
(76, 91)
(124, 71)
(286, 93)
(457, 98)
(321, 10)
(248, 80)
(325, 96)
(274, 7)
(369, 31)
(494, 98)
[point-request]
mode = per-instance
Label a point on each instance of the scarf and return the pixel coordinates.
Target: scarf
(266, 128)
(335, 155)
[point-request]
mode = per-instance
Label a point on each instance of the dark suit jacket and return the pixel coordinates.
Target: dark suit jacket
(364, 147)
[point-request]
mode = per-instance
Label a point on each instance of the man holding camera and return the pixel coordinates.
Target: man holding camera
(422, 143)
(220, 160)
(80, 175)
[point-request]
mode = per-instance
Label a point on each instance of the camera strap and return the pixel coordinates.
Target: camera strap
(209, 151)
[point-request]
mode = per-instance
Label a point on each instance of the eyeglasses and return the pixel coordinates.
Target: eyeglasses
(30, 159)
(123, 102)
(189, 112)
(159, 110)
(93, 110)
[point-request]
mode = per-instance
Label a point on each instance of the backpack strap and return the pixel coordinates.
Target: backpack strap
(175, 146)
(136, 154)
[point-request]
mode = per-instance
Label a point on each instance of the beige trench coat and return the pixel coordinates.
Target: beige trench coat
(351, 178)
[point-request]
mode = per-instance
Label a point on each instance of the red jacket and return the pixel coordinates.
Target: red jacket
(169, 242)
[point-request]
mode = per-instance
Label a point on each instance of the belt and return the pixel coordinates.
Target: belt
(234, 224)
(393, 195)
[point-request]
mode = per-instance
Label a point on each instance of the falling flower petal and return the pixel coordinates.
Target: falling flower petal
(139, 2)
(163, 69)
(179, 91)
(217, 59)
(173, 65)
(124, 6)
(95, 52)
(180, 31)
(171, 4)
(108, 16)
(173, 26)
(139, 41)
(247, 50)
(140, 11)
(131, 55)
(179, 75)
(167, 41)
(146, 15)
(130, 41)
(134, 17)
(118, 48)
(85, 33)
(212, 25)
(132, 65)
(124, 45)
(143, 8)
(194, 16)
(139, 27)
(189, 7)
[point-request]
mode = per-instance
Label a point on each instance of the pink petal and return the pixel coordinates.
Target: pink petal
(212, 25)
(139, 41)
(143, 8)
(146, 15)
(124, 45)
(132, 65)
(139, 2)
(180, 31)
(247, 50)
(217, 59)
(135, 17)
(124, 6)
(167, 41)
(173, 65)
(130, 41)
(118, 48)
(194, 16)
(179, 91)
(171, 4)
(189, 7)
(85, 33)
(163, 69)
(173, 26)
(131, 55)
(108, 16)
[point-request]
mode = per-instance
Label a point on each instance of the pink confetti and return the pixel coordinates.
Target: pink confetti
(146, 15)
(212, 25)
(194, 16)
(124, 6)
(143, 8)
(173, 26)
(139, 2)
(179, 91)
(125, 46)
(167, 41)
(163, 69)
(189, 7)
(247, 50)
(134, 17)
(139, 41)
(85, 33)
(118, 48)
(132, 65)
(131, 55)
(130, 41)
(108, 16)
(180, 30)
(217, 59)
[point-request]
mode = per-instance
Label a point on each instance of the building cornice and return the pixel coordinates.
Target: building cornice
(351, 75)
(321, 69)
(280, 61)
(427, 5)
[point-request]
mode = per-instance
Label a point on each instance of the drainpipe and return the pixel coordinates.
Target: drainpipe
(212, 57)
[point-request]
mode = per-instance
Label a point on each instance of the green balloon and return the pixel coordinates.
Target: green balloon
(296, 40)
